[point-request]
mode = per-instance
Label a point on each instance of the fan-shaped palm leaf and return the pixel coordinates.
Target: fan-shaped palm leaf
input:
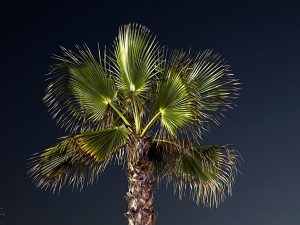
(78, 159)
(209, 171)
(173, 103)
(81, 89)
(136, 59)
(212, 84)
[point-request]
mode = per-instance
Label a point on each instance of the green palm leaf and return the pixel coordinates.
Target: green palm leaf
(212, 85)
(136, 59)
(78, 159)
(174, 104)
(172, 99)
(209, 171)
(81, 88)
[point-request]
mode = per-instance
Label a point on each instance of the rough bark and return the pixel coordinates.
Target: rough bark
(140, 185)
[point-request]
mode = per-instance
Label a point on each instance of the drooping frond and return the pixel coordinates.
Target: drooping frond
(78, 160)
(207, 171)
(135, 59)
(81, 89)
(212, 85)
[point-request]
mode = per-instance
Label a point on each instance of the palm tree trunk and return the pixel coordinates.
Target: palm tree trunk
(140, 185)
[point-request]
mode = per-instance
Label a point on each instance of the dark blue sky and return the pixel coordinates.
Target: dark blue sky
(261, 40)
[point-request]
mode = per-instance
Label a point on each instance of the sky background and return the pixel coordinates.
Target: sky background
(261, 40)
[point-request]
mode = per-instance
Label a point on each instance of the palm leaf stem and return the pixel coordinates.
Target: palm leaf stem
(120, 114)
(137, 118)
(150, 124)
(166, 141)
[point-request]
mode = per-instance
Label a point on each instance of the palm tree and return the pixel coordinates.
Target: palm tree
(145, 107)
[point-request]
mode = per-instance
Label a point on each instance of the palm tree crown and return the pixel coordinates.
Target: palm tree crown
(139, 93)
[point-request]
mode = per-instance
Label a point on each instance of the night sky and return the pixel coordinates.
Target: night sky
(260, 40)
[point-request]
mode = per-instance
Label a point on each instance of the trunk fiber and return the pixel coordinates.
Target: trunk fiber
(140, 185)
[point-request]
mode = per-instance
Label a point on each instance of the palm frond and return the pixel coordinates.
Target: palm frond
(78, 160)
(81, 88)
(172, 98)
(136, 59)
(212, 85)
(207, 171)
